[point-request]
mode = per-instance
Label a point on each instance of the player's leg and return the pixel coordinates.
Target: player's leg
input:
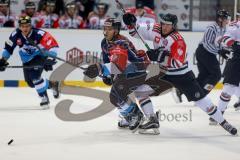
(151, 123)
(192, 90)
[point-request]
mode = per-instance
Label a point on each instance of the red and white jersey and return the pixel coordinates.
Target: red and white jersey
(4, 19)
(147, 18)
(232, 34)
(176, 63)
(47, 20)
(67, 22)
(95, 22)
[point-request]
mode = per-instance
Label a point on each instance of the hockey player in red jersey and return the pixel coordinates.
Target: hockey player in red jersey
(170, 52)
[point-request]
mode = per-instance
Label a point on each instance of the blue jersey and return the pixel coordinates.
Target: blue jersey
(27, 50)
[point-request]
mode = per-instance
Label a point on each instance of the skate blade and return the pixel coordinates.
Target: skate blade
(135, 130)
(45, 107)
(237, 109)
(154, 131)
(213, 123)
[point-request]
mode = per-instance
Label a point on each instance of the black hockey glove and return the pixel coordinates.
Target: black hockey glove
(107, 80)
(129, 19)
(224, 53)
(48, 65)
(157, 54)
(93, 70)
(3, 64)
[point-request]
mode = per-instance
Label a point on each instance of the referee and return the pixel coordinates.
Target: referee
(207, 51)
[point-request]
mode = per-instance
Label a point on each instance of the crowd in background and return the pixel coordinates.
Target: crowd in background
(74, 14)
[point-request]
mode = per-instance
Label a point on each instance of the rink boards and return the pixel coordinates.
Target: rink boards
(79, 43)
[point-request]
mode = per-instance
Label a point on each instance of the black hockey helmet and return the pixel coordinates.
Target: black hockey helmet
(139, 4)
(169, 19)
(30, 5)
(222, 14)
(4, 2)
(113, 22)
(24, 20)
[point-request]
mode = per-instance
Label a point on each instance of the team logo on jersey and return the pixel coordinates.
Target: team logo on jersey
(165, 42)
(157, 39)
(19, 42)
(180, 52)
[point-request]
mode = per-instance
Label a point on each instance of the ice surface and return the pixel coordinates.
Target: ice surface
(40, 135)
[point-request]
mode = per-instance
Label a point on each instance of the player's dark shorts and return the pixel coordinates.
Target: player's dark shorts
(31, 74)
(232, 71)
(187, 84)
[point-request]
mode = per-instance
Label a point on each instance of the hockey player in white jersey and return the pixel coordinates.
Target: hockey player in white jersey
(170, 52)
(231, 41)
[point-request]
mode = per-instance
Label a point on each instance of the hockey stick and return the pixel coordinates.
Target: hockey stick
(58, 58)
(134, 27)
(24, 67)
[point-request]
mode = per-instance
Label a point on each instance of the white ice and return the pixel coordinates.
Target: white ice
(40, 135)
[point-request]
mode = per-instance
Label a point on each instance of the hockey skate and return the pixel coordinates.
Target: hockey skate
(123, 123)
(229, 128)
(55, 86)
(237, 106)
(151, 126)
(45, 102)
(135, 118)
(212, 122)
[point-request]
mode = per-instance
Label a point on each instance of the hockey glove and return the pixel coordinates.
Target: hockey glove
(129, 19)
(48, 65)
(157, 54)
(107, 80)
(93, 70)
(224, 53)
(3, 64)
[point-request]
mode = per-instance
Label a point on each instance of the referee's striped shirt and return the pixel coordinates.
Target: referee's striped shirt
(213, 33)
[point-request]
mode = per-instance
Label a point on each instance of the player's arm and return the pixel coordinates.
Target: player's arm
(147, 31)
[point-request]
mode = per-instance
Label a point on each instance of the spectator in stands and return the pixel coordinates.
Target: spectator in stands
(59, 6)
(143, 14)
(30, 10)
(71, 19)
(6, 19)
(47, 17)
(85, 7)
(97, 18)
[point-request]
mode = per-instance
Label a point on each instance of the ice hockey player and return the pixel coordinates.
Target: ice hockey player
(170, 53)
(142, 13)
(231, 41)
(71, 19)
(6, 17)
(207, 51)
(37, 50)
(124, 69)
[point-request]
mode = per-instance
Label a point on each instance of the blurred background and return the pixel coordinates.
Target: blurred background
(194, 15)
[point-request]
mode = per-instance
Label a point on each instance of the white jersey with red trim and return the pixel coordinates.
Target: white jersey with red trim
(47, 20)
(232, 35)
(4, 19)
(67, 22)
(148, 17)
(176, 63)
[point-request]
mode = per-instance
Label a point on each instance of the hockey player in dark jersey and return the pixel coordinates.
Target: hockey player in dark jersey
(124, 68)
(170, 53)
(36, 48)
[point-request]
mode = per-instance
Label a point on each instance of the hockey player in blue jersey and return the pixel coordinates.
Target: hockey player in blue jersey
(124, 68)
(36, 48)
